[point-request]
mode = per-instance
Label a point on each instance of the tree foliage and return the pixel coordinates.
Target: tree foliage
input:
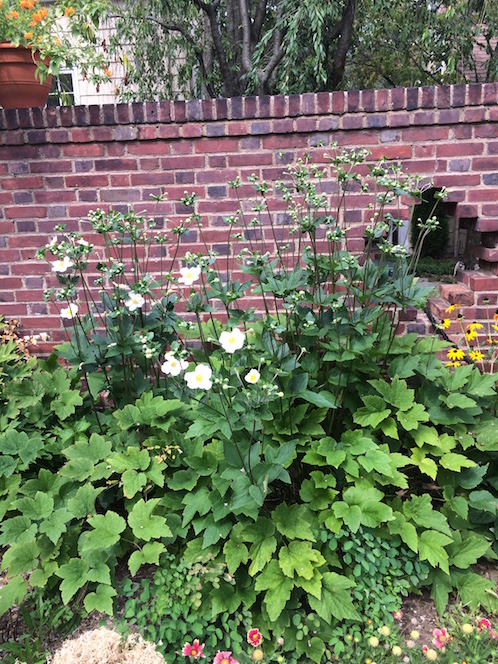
(230, 47)
(197, 48)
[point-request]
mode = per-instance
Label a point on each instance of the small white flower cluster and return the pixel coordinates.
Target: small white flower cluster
(149, 348)
(172, 365)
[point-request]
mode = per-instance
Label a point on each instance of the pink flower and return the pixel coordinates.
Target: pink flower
(224, 658)
(483, 624)
(194, 650)
(493, 634)
(254, 637)
(398, 616)
(441, 637)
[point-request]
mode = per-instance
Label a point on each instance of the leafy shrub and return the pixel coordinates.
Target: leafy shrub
(172, 606)
(428, 265)
(248, 445)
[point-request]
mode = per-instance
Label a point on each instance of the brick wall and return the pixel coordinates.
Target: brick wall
(57, 164)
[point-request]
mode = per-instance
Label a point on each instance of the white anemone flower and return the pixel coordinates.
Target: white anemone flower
(134, 302)
(69, 312)
(62, 265)
(253, 376)
(173, 366)
(232, 340)
(189, 275)
(199, 378)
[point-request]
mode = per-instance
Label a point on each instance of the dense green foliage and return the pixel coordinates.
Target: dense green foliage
(232, 48)
(255, 460)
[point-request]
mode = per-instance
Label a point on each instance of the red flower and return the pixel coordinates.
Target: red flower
(398, 615)
(224, 658)
(254, 637)
(194, 650)
(483, 624)
(441, 637)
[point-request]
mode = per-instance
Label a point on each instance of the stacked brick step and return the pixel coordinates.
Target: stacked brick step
(476, 299)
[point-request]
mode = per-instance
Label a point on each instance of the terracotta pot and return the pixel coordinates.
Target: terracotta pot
(18, 86)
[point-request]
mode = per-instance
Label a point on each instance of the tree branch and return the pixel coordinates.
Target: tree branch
(246, 35)
(259, 18)
(278, 52)
(346, 26)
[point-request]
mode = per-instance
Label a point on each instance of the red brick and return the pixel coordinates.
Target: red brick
(81, 211)
(459, 149)
(115, 150)
(391, 152)
(83, 150)
(234, 128)
(488, 254)
(189, 162)
(480, 281)
(466, 210)
(487, 225)
(168, 132)
(63, 196)
(120, 180)
(457, 294)
(158, 147)
(25, 212)
(485, 164)
(424, 151)
(79, 181)
(147, 133)
(138, 179)
(22, 183)
(192, 130)
(28, 268)
(263, 159)
(120, 195)
(477, 195)
(8, 283)
(456, 180)
(426, 134)
(361, 137)
(7, 309)
(486, 131)
(209, 145)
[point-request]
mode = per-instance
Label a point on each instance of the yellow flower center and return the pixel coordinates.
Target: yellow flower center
(231, 340)
(198, 378)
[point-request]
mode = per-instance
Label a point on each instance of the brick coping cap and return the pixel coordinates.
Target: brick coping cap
(351, 102)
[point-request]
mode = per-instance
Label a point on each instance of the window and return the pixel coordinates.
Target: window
(64, 90)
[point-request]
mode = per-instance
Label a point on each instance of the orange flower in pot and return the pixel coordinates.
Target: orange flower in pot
(37, 39)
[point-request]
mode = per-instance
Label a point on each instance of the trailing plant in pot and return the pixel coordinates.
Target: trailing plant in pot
(37, 39)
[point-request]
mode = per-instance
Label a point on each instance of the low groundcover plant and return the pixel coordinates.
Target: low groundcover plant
(251, 426)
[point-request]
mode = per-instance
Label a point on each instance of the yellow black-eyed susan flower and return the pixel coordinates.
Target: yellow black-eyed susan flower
(476, 355)
(455, 354)
(445, 323)
(474, 326)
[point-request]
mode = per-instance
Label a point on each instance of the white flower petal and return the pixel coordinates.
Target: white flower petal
(69, 312)
(232, 340)
(253, 376)
(200, 378)
(189, 275)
